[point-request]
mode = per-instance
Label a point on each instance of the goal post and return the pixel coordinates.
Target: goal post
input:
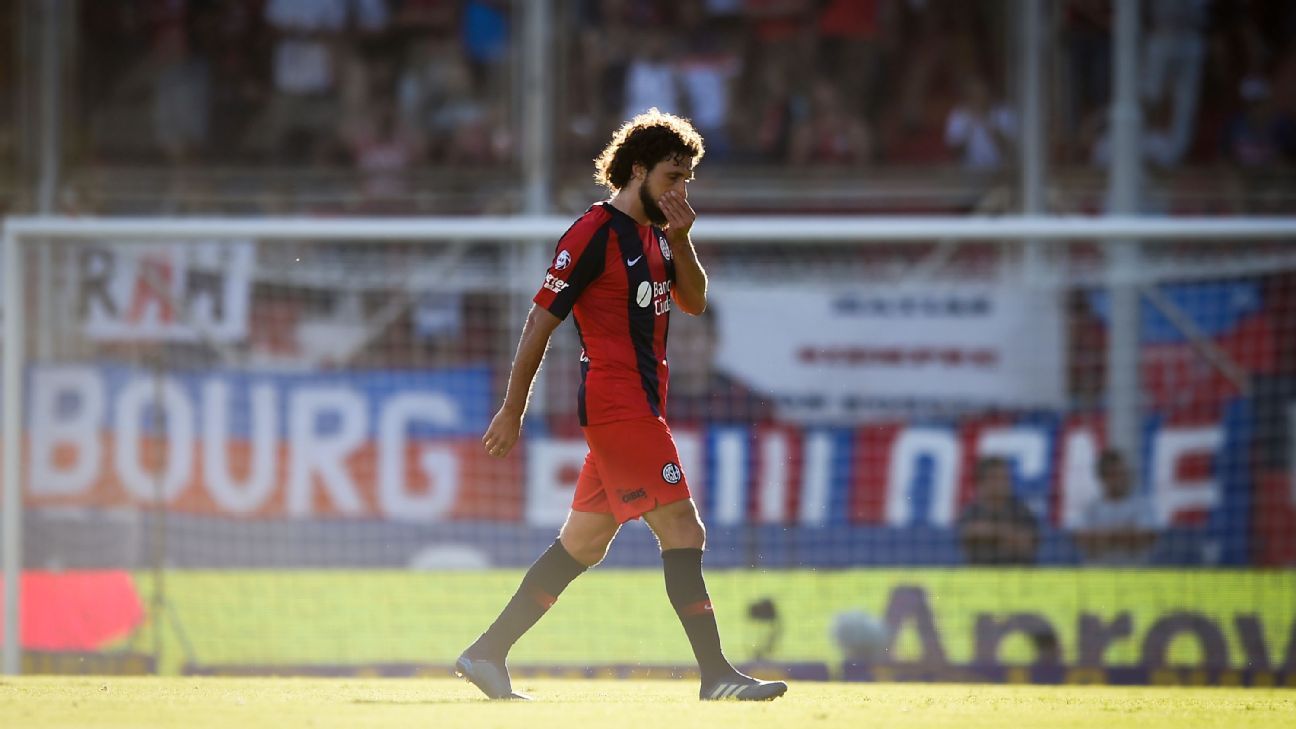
(432, 280)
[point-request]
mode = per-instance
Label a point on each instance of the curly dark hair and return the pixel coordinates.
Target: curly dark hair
(646, 139)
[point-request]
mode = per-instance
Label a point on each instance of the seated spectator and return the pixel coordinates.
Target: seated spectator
(1156, 141)
(997, 528)
(384, 152)
(830, 135)
(650, 79)
(981, 131)
(1259, 137)
(766, 98)
(706, 66)
(1173, 52)
(1119, 528)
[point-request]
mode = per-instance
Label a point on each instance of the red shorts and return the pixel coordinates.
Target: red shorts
(632, 468)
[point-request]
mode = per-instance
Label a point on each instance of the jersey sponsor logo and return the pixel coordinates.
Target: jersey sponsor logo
(643, 296)
(633, 495)
(661, 297)
(671, 473)
(665, 247)
(554, 284)
(632, 261)
(562, 261)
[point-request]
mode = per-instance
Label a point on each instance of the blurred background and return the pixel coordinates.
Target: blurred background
(418, 106)
(1052, 460)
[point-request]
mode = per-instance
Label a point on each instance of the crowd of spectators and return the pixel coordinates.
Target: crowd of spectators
(389, 85)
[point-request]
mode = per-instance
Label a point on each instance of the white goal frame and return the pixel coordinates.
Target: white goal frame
(19, 232)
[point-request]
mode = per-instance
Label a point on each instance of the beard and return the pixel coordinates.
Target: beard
(651, 209)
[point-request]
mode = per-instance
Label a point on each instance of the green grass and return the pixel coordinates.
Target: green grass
(265, 703)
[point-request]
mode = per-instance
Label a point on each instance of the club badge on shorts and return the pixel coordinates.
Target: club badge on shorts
(671, 473)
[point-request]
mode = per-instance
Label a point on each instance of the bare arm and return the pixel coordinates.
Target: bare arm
(690, 289)
(506, 427)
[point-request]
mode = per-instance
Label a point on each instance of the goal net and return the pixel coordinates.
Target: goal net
(257, 448)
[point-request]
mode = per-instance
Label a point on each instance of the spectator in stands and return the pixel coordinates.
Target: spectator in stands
(1172, 66)
(384, 150)
(462, 124)
(769, 102)
(942, 40)
(1086, 35)
(484, 29)
(997, 528)
(650, 79)
(851, 42)
(181, 96)
(1155, 140)
(981, 131)
(706, 65)
(1119, 528)
(308, 54)
(1259, 138)
(830, 134)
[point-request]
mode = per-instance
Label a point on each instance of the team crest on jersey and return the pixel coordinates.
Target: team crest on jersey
(665, 247)
(671, 473)
(562, 261)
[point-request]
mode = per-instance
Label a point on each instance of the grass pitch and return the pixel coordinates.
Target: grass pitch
(263, 703)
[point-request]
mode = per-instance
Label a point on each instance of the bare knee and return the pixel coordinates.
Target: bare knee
(587, 547)
(678, 527)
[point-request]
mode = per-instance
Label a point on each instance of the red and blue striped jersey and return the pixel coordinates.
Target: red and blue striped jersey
(615, 276)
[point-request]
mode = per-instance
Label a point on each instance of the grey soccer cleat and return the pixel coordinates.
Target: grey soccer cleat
(740, 687)
(489, 676)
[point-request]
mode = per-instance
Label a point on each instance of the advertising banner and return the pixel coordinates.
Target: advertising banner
(404, 447)
(193, 292)
(397, 445)
(840, 352)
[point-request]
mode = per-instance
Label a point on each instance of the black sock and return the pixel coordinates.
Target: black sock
(687, 592)
(539, 590)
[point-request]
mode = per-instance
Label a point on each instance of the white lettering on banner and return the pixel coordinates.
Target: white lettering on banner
(54, 430)
(774, 456)
(688, 444)
(1169, 448)
(234, 497)
(942, 447)
(176, 430)
(317, 453)
(440, 465)
(549, 496)
(195, 291)
(730, 476)
(816, 479)
(69, 405)
(1080, 486)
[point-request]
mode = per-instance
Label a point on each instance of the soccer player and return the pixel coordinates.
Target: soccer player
(619, 269)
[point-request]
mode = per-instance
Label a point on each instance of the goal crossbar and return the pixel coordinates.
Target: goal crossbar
(754, 229)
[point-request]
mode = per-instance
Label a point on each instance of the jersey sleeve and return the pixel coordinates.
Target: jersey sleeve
(578, 260)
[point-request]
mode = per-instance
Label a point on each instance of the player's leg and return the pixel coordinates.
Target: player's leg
(583, 541)
(682, 538)
(581, 544)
